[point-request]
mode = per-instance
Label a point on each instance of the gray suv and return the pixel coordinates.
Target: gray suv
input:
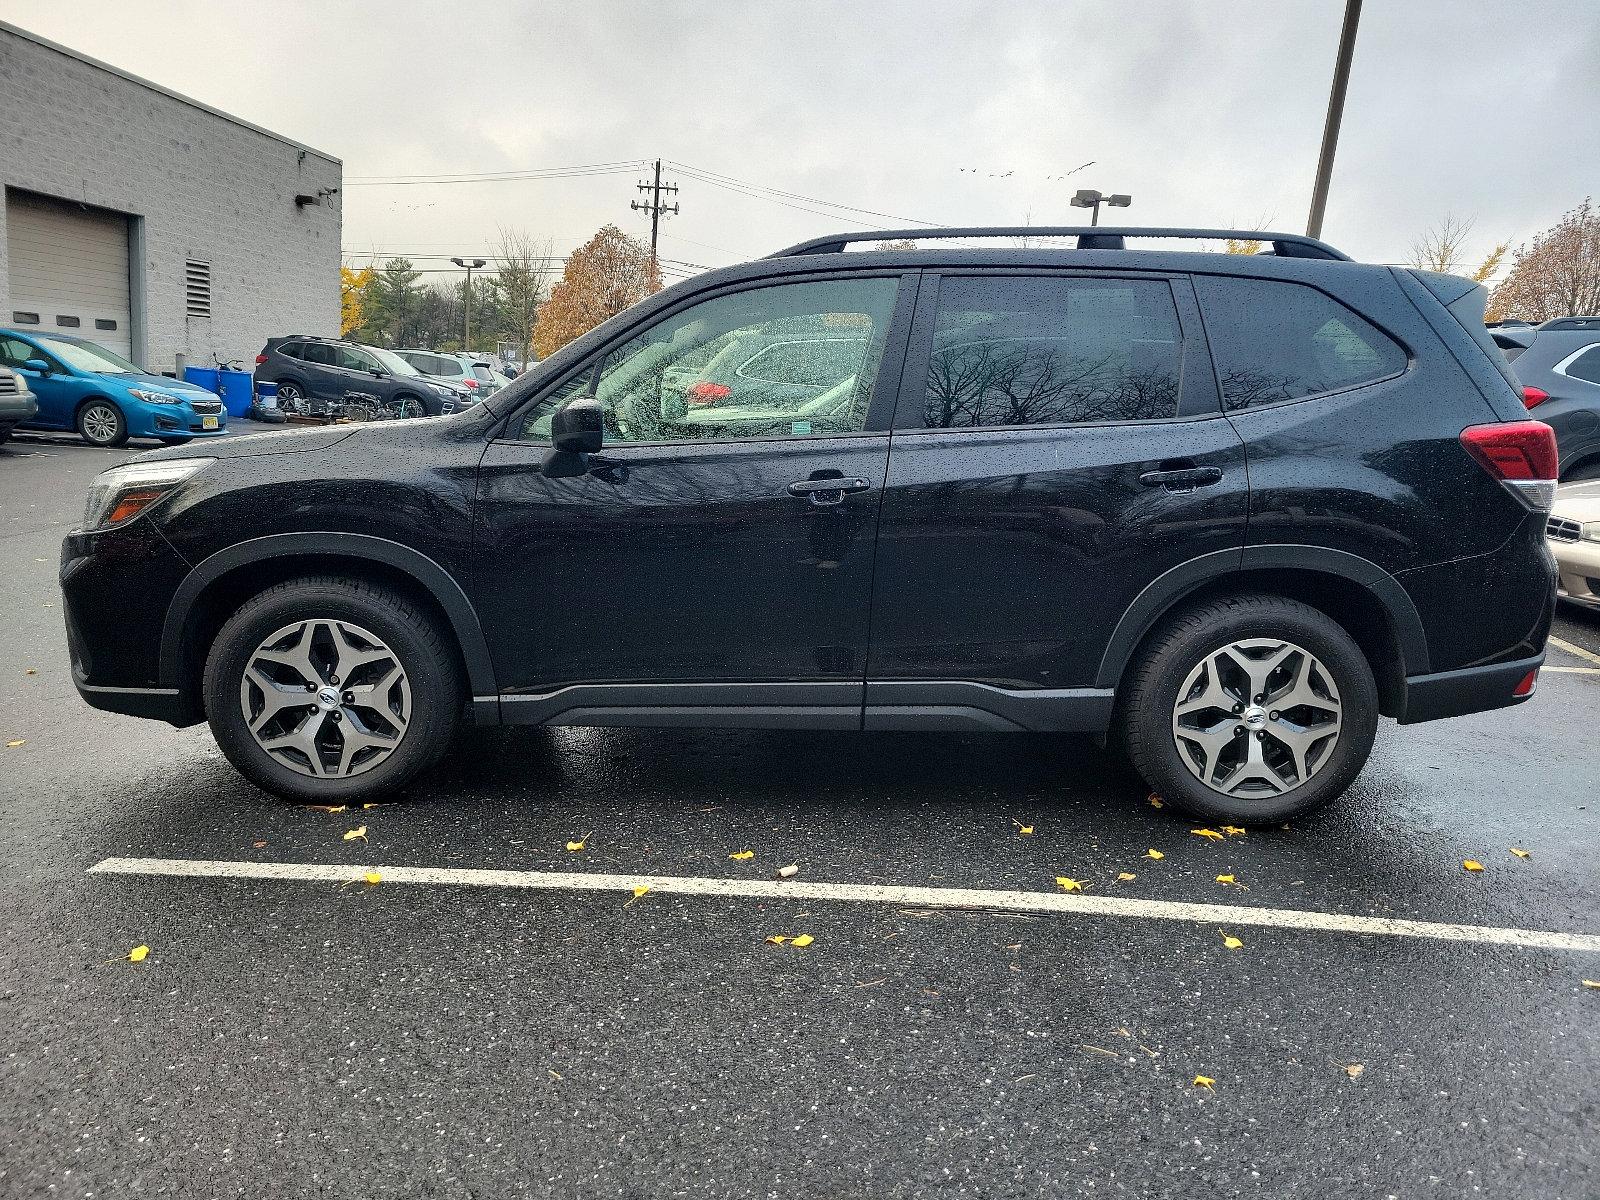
(1558, 364)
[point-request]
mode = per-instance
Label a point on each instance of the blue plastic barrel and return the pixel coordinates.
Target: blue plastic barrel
(205, 377)
(237, 389)
(267, 393)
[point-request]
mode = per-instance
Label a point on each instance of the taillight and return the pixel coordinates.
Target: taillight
(1520, 454)
(471, 383)
(709, 393)
(260, 358)
(1532, 397)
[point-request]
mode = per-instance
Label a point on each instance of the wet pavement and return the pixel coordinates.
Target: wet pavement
(306, 1038)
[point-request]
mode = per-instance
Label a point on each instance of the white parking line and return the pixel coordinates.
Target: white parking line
(905, 897)
(1576, 651)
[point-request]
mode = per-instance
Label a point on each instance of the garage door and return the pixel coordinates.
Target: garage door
(68, 269)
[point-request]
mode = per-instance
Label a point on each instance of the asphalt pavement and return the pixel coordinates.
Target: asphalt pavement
(482, 1038)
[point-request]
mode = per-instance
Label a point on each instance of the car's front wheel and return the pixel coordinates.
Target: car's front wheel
(1251, 709)
(101, 423)
(331, 690)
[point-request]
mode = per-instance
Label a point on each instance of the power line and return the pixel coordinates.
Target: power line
(715, 176)
(653, 206)
(581, 170)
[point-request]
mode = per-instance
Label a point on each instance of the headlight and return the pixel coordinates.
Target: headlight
(152, 397)
(1591, 531)
(122, 493)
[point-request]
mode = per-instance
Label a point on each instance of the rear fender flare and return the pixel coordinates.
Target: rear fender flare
(1166, 591)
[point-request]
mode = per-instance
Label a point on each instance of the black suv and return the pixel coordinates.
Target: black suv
(317, 375)
(1229, 509)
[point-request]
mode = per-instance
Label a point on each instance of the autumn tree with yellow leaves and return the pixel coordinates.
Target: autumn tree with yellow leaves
(353, 286)
(609, 273)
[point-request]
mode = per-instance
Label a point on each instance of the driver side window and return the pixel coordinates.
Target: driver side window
(793, 360)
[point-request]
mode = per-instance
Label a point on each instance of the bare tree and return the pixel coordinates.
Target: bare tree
(1558, 274)
(1442, 248)
(519, 286)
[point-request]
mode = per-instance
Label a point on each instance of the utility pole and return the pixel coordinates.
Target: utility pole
(654, 207)
(1330, 127)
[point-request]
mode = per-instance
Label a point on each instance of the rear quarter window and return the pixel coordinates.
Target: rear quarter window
(1274, 341)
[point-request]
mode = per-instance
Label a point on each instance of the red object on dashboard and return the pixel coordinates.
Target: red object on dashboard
(708, 393)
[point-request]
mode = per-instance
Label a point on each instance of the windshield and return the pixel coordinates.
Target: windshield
(86, 356)
(391, 361)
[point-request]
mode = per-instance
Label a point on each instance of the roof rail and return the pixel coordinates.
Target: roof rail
(1572, 323)
(1101, 237)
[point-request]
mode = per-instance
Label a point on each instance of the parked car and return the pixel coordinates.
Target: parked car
(489, 377)
(1559, 363)
(17, 403)
(448, 368)
(1574, 533)
(80, 385)
(1061, 536)
(314, 373)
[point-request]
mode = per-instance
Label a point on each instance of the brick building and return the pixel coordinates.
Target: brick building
(151, 223)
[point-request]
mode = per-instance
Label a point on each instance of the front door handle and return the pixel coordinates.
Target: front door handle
(1182, 479)
(825, 492)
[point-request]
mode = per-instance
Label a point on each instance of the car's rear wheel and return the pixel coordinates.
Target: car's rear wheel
(101, 423)
(332, 690)
(1252, 709)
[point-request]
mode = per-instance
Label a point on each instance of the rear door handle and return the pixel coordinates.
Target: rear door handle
(1182, 478)
(824, 492)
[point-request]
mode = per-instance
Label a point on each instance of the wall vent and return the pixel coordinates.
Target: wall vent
(197, 288)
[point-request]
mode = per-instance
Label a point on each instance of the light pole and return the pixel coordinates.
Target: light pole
(1330, 127)
(466, 331)
(1089, 198)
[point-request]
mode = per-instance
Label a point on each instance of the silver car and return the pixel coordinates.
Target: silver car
(17, 402)
(1573, 531)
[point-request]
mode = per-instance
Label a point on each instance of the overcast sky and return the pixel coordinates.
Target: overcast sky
(1208, 113)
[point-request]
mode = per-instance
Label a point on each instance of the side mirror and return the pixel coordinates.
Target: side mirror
(378, 372)
(37, 364)
(579, 428)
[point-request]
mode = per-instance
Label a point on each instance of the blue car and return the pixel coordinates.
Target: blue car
(84, 386)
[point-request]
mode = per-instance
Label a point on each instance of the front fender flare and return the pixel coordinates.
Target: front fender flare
(441, 585)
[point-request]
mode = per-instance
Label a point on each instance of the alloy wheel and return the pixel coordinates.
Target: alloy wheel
(325, 698)
(100, 423)
(1257, 718)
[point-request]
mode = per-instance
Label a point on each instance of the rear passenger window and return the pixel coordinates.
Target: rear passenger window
(1274, 341)
(1586, 365)
(1014, 350)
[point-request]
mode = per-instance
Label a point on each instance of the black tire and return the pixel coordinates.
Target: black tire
(410, 634)
(1583, 472)
(1149, 697)
(292, 397)
(430, 408)
(5, 433)
(101, 423)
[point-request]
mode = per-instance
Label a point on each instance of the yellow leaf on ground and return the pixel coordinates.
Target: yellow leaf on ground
(14, 744)
(805, 939)
(1155, 854)
(138, 953)
(574, 845)
(1069, 885)
(1591, 983)
(776, 939)
(1520, 853)
(1233, 830)
(1209, 834)
(1231, 942)
(1355, 1069)
(371, 805)
(1204, 1081)
(352, 834)
(373, 877)
(1155, 801)
(1226, 879)
(1024, 829)
(639, 891)
(1471, 864)
(326, 807)
(581, 842)
(1125, 876)
(742, 855)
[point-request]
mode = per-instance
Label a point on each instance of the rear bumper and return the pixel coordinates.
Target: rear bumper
(1469, 690)
(155, 704)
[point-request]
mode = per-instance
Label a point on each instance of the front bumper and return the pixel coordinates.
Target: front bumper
(16, 408)
(1578, 568)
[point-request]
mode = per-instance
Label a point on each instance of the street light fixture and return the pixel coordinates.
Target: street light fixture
(466, 332)
(1089, 198)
